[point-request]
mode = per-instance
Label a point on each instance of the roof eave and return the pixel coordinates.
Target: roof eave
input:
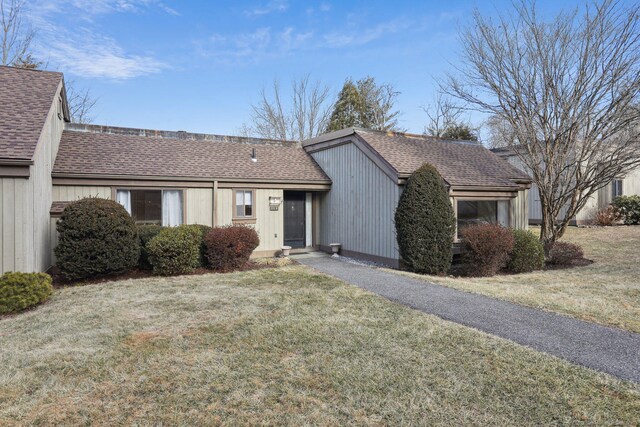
(184, 178)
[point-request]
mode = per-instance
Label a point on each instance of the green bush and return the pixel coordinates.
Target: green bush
(175, 250)
(19, 291)
(96, 237)
(202, 231)
(527, 254)
(229, 247)
(425, 223)
(146, 233)
(485, 248)
(629, 208)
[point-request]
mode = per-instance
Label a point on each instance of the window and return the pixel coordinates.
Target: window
(482, 211)
(244, 204)
(161, 207)
(616, 187)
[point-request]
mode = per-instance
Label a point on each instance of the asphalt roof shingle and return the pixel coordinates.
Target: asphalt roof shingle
(25, 99)
(99, 154)
(460, 163)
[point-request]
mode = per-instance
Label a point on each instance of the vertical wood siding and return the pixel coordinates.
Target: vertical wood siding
(24, 204)
(269, 224)
(199, 206)
(358, 211)
(70, 193)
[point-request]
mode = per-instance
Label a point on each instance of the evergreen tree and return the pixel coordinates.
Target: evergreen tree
(365, 104)
(425, 223)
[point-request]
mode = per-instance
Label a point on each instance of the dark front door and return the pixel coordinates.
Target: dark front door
(294, 219)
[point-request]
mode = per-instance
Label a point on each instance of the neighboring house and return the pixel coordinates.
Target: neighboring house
(369, 168)
(33, 111)
(624, 186)
(340, 188)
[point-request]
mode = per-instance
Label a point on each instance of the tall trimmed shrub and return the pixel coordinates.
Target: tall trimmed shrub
(527, 254)
(175, 250)
(96, 237)
(19, 291)
(425, 223)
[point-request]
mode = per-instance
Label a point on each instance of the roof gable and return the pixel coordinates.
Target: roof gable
(461, 163)
(26, 97)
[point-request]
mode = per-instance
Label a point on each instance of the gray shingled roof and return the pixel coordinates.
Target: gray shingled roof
(26, 97)
(100, 154)
(461, 163)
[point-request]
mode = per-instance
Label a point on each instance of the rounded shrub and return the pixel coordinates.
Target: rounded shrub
(175, 250)
(485, 248)
(563, 253)
(229, 247)
(96, 237)
(629, 208)
(527, 254)
(425, 223)
(19, 291)
(146, 233)
(202, 231)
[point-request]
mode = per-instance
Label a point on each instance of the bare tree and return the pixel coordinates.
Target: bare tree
(500, 133)
(81, 103)
(302, 116)
(379, 101)
(567, 88)
(17, 38)
(16, 35)
(441, 115)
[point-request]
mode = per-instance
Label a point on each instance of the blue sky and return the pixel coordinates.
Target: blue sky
(199, 65)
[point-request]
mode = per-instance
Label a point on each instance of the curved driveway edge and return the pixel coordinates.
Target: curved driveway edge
(611, 350)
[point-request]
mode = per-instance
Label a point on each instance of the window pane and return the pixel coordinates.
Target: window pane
(146, 206)
(248, 210)
(247, 198)
(476, 212)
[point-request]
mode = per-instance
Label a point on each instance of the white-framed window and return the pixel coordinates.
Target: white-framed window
(153, 206)
(616, 188)
(244, 200)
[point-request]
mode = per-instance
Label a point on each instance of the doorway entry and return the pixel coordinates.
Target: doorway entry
(294, 219)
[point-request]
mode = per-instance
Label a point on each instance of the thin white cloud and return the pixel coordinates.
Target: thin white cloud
(270, 7)
(253, 46)
(360, 36)
(84, 51)
(100, 58)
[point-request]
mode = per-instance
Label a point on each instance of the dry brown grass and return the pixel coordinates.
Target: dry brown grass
(286, 346)
(607, 291)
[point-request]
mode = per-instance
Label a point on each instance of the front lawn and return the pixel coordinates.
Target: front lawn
(607, 291)
(278, 346)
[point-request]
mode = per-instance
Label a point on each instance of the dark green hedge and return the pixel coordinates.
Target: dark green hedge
(527, 254)
(629, 208)
(19, 291)
(96, 237)
(425, 223)
(146, 233)
(175, 250)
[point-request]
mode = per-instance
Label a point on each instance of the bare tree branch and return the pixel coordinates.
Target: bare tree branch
(81, 103)
(567, 91)
(304, 116)
(16, 36)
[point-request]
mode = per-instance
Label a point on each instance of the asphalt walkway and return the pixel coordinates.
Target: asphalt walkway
(611, 350)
